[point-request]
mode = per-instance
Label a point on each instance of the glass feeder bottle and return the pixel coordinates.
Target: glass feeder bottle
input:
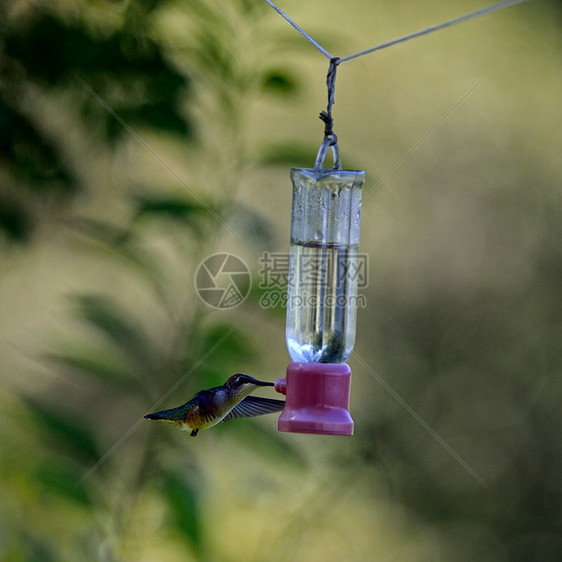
(321, 297)
(323, 262)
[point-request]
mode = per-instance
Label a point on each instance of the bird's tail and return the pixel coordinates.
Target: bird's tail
(171, 415)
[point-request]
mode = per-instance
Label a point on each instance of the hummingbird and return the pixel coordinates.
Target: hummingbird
(220, 404)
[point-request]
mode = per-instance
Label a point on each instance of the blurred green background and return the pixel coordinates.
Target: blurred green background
(139, 137)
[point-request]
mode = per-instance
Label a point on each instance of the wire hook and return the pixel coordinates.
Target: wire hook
(326, 116)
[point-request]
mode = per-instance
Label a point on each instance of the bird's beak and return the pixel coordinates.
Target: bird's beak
(263, 383)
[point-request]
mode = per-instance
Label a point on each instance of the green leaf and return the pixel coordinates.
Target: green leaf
(14, 222)
(213, 49)
(35, 173)
(64, 482)
(183, 500)
(161, 115)
(168, 208)
(37, 549)
(250, 7)
(127, 69)
(32, 158)
(46, 47)
(278, 81)
(181, 210)
(65, 431)
(103, 233)
(127, 246)
(119, 241)
(103, 364)
(104, 314)
(294, 155)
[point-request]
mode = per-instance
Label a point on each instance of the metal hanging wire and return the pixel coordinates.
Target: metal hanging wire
(330, 138)
(431, 29)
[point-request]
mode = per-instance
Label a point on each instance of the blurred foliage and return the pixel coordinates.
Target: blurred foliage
(472, 343)
(50, 50)
(116, 77)
(478, 362)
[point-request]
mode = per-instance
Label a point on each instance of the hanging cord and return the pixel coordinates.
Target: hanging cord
(432, 28)
(426, 31)
(326, 116)
(300, 30)
(330, 138)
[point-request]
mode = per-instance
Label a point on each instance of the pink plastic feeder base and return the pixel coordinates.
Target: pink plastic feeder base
(317, 399)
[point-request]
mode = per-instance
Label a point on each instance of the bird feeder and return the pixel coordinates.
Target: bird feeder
(322, 296)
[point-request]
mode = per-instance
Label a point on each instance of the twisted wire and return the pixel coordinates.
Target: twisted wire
(326, 116)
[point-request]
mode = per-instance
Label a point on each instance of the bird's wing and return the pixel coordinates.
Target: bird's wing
(255, 406)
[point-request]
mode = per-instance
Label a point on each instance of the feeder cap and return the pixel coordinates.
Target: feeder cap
(317, 399)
